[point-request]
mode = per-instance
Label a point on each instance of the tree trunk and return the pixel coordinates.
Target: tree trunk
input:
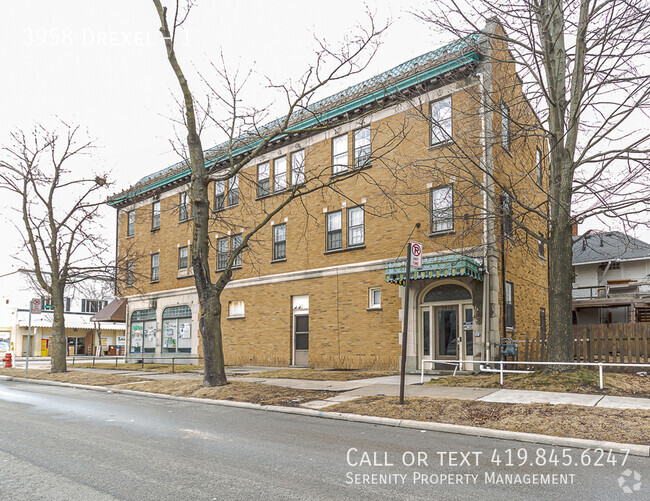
(59, 343)
(214, 373)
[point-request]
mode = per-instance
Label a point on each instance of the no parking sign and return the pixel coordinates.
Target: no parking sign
(416, 255)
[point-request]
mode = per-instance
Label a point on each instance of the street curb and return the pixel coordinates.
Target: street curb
(581, 443)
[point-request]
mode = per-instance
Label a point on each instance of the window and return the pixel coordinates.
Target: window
(441, 121)
(510, 305)
(219, 194)
(177, 330)
(154, 267)
(362, 148)
(375, 297)
(542, 323)
(235, 309)
(92, 305)
(143, 328)
(340, 154)
(356, 231)
(538, 166)
(334, 231)
(222, 253)
(279, 241)
(68, 302)
(540, 244)
(183, 208)
(130, 229)
(506, 213)
(505, 127)
(182, 258)
(263, 171)
(298, 167)
(47, 303)
(442, 209)
(233, 190)
(235, 241)
(279, 174)
(155, 215)
(130, 269)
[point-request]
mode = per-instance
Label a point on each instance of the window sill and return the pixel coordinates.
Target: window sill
(182, 221)
(278, 260)
(374, 308)
(441, 233)
(153, 230)
(130, 236)
(440, 145)
(221, 270)
(154, 281)
(238, 317)
(349, 170)
(346, 249)
(188, 275)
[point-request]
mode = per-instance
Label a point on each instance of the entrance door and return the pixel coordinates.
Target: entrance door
(301, 339)
(447, 331)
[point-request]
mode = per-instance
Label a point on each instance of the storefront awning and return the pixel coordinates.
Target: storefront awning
(436, 267)
(72, 321)
(115, 311)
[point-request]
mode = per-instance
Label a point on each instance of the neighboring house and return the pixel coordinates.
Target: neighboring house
(322, 284)
(611, 279)
(81, 302)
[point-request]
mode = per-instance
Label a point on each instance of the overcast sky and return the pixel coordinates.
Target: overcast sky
(102, 65)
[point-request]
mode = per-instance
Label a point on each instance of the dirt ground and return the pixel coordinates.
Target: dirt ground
(624, 425)
(320, 375)
(74, 377)
(582, 381)
(237, 391)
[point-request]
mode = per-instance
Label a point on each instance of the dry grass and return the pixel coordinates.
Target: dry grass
(616, 425)
(238, 391)
(582, 381)
(74, 377)
(163, 368)
(320, 375)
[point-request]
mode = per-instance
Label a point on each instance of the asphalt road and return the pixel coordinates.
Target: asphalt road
(67, 444)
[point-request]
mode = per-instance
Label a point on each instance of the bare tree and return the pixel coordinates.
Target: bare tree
(242, 127)
(57, 208)
(583, 69)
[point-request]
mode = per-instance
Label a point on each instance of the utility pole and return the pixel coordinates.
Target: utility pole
(407, 285)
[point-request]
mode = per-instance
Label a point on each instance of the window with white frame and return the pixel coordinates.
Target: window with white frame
(340, 154)
(442, 209)
(155, 215)
(510, 305)
(235, 309)
(298, 167)
(184, 207)
(130, 228)
(538, 166)
(182, 258)
(374, 300)
(505, 126)
(279, 241)
(356, 230)
(219, 194)
(441, 121)
(235, 241)
(154, 267)
(92, 305)
(334, 231)
(279, 174)
(263, 173)
(222, 253)
(362, 149)
(233, 190)
(540, 245)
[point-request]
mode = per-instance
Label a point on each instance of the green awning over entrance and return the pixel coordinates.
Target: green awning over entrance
(436, 267)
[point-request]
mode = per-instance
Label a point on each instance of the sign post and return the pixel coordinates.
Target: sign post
(414, 258)
(35, 307)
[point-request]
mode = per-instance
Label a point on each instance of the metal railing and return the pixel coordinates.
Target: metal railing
(501, 371)
(631, 290)
(142, 361)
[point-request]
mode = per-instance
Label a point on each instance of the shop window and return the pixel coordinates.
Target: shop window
(143, 331)
(177, 330)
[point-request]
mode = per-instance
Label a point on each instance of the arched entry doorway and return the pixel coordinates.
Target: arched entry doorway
(444, 311)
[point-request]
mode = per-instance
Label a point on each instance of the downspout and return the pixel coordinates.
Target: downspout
(117, 236)
(486, 280)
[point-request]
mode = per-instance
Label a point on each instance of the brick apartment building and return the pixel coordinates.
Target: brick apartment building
(437, 141)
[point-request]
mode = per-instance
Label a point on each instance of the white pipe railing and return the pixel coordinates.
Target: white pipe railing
(501, 363)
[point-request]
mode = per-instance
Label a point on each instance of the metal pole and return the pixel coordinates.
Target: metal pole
(29, 336)
(172, 365)
(600, 374)
(501, 372)
(402, 377)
